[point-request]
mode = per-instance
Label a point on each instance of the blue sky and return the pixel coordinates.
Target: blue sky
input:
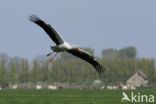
(97, 24)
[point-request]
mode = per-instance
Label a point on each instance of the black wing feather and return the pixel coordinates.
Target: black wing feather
(87, 57)
(47, 28)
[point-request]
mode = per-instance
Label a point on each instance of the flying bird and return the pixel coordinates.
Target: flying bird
(62, 45)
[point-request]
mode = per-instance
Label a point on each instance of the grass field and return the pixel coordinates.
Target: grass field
(67, 96)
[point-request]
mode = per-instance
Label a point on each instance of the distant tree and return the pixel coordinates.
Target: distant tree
(127, 52)
(66, 55)
(23, 70)
(44, 73)
(12, 72)
(3, 77)
(34, 73)
(109, 53)
(40, 58)
(4, 57)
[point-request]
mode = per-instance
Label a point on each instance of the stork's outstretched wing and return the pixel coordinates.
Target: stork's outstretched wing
(47, 28)
(87, 57)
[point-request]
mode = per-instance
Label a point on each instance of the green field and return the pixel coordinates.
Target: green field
(67, 96)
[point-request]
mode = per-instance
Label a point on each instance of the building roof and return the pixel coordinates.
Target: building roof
(142, 74)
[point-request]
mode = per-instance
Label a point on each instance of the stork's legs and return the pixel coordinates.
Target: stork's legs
(53, 57)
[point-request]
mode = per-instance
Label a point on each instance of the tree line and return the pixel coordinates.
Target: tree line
(120, 64)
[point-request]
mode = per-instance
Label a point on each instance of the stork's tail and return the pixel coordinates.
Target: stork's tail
(54, 48)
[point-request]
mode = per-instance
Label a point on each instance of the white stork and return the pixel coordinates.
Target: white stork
(62, 46)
